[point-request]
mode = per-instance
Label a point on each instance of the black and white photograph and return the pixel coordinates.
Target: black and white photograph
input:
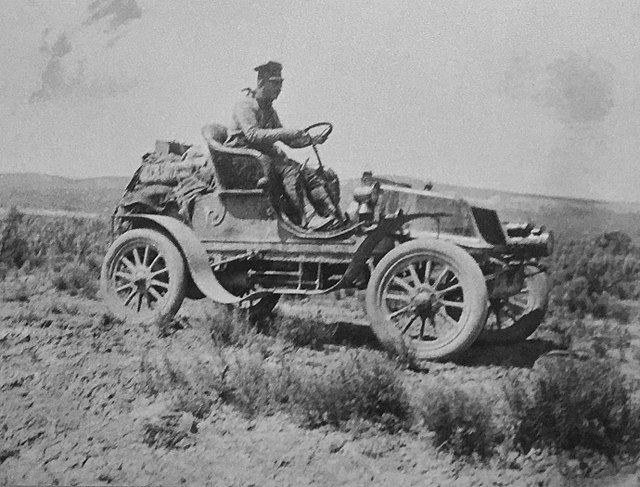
(314, 242)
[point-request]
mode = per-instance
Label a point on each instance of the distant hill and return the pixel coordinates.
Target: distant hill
(40, 191)
(568, 217)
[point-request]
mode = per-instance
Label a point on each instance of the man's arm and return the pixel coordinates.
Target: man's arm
(304, 140)
(245, 114)
(301, 140)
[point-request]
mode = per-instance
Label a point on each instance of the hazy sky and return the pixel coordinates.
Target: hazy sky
(534, 96)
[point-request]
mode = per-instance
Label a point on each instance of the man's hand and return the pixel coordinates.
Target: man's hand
(302, 138)
(318, 139)
(292, 134)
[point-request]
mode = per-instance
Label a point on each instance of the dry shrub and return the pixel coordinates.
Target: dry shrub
(572, 404)
(231, 329)
(17, 290)
(462, 422)
(302, 332)
(595, 275)
(258, 386)
(76, 279)
(359, 385)
(236, 328)
(29, 241)
(14, 248)
(603, 337)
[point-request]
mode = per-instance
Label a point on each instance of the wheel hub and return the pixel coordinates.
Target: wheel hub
(425, 303)
(141, 278)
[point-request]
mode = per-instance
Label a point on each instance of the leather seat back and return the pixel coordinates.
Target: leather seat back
(235, 168)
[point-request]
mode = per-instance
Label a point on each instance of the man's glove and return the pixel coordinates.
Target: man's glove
(300, 138)
(291, 134)
(318, 139)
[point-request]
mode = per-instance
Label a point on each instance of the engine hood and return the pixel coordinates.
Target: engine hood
(472, 226)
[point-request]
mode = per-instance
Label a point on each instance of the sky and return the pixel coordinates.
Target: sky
(537, 97)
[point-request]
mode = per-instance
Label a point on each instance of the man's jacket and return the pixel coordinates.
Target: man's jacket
(256, 124)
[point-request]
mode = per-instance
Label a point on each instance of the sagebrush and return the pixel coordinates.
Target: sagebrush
(69, 251)
(572, 403)
(360, 384)
(462, 422)
(593, 275)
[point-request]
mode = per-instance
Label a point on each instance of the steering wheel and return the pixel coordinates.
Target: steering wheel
(328, 128)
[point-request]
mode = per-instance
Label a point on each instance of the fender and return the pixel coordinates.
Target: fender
(195, 257)
(386, 226)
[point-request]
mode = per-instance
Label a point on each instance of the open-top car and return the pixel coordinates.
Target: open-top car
(439, 273)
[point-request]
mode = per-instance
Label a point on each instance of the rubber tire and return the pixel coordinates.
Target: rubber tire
(261, 309)
(473, 286)
(523, 328)
(175, 265)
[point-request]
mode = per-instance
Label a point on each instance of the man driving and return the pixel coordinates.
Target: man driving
(255, 124)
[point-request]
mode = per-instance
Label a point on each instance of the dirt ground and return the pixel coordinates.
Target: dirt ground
(73, 410)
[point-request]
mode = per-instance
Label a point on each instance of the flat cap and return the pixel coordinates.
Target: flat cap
(270, 70)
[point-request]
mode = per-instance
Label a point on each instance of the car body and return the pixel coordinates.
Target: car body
(439, 273)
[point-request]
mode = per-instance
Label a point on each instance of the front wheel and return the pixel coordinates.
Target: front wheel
(143, 277)
(428, 299)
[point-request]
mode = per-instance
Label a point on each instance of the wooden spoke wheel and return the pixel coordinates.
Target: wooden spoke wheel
(143, 277)
(514, 318)
(427, 298)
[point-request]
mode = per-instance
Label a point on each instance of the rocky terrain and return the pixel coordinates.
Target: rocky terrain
(87, 399)
(306, 396)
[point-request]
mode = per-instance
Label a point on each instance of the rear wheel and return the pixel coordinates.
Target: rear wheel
(513, 319)
(143, 277)
(427, 298)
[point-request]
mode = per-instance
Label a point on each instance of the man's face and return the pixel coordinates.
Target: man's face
(272, 88)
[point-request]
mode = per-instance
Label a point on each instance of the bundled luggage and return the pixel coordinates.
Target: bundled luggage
(167, 181)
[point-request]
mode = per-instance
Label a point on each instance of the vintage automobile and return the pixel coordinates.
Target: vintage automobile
(439, 273)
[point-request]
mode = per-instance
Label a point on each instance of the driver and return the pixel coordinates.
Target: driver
(256, 125)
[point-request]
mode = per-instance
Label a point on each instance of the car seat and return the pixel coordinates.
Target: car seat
(235, 168)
